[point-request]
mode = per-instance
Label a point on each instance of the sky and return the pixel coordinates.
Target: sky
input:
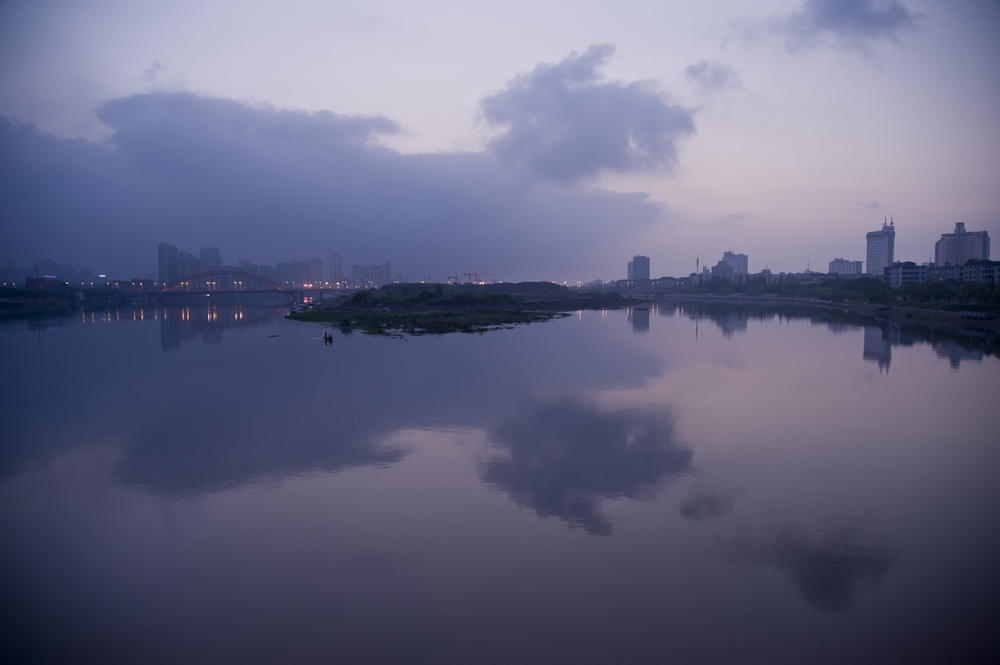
(527, 140)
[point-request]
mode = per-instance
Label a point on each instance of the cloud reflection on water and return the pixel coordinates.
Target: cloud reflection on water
(701, 506)
(194, 450)
(827, 566)
(562, 459)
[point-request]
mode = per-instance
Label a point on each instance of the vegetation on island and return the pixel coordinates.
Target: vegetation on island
(423, 309)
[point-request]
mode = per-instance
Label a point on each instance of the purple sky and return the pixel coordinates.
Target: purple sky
(531, 140)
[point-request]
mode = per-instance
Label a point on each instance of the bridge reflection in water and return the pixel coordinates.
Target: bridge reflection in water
(179, 325)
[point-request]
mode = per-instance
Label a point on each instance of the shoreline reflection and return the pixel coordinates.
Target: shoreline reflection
(179, 325)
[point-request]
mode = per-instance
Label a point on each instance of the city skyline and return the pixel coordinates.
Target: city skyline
(952, 249)
(781, 128)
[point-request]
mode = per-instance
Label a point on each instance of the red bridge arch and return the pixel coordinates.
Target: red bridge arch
(179, 285)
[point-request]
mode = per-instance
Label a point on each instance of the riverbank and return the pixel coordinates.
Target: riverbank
(922, 316)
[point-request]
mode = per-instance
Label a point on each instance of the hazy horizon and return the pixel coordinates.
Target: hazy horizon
(532, 142)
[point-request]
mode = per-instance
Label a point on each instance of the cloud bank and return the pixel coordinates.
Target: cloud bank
(851, 23)
(269, 184)
(564, 123)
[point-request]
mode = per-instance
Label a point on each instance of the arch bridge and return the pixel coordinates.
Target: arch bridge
(183, 285)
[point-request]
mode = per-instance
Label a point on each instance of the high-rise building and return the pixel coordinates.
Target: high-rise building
(313, 270)
(169, 272)
(955, 249)
(845, 268)
(738, 262)
(188, 264)
(290, 273)
(211, 258)
(638, 267)
(336, 267)
(881, 249)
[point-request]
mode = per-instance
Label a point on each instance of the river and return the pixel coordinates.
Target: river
(670, 484)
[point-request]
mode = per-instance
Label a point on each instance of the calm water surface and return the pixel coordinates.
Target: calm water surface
(660, 485)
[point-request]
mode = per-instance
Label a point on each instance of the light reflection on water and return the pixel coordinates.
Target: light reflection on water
(686, 482)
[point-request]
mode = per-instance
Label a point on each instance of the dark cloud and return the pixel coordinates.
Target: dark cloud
(562, 459)
(712, 75)
(564, 123)
(271, 184)
(827, 567)
(853, 23)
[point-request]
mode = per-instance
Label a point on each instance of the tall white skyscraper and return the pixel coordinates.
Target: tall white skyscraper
(881, 249)
(957, 248)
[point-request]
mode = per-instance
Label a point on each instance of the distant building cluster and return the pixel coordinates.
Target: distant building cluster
(962, 256)
(55, 273)
(732, 267)
(176, 265)
(906, 272)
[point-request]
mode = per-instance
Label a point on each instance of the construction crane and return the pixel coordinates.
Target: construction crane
(478, 277)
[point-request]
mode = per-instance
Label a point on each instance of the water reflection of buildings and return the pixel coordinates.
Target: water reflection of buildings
(730, 320)
(955, 354)
(733, 322)
(879, 337)
(880, 340)
(179, 325)
(878, 348)
(639, 318)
